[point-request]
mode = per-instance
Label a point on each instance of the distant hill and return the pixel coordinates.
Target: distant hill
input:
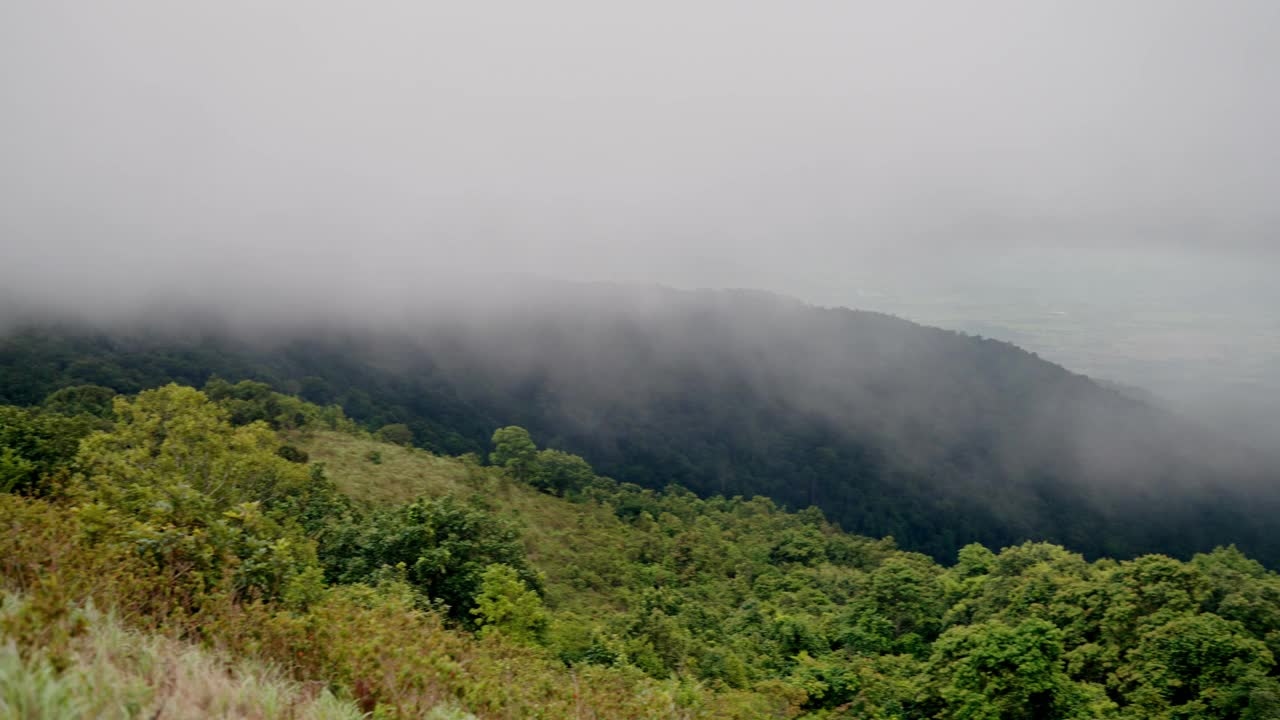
(891, 428)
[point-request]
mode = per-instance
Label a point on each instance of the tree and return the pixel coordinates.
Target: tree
(81, 400)
(16, 472)
(507, 606)
(1200, 666)
(906, 591)
(441, 547)
(173, 437)
(514, 450)
(559, 472)
(182, 485)
(246, 401)
(396, 434)
(995, 671)
(33, 445)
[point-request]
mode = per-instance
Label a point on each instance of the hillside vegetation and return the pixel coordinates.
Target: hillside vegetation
(114, 672)
(273, 550)
(891, 428)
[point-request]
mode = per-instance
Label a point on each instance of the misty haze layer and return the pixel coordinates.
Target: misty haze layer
(838, 152)
(892, 428)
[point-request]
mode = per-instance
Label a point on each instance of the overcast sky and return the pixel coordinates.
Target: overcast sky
(708, 141)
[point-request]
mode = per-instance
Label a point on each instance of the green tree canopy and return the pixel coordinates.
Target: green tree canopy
(396, 434)
(507, 606)
(442, 547)
(514, 450)
(34, 444)
(81, 400)
(176, 479)
(560, 473)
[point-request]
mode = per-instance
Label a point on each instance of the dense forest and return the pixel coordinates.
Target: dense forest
(340, 377)
(892, 429)
(237, 552)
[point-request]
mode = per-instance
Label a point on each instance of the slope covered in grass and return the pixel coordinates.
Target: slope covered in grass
(270, 533)
(115, 672)
(564, 540)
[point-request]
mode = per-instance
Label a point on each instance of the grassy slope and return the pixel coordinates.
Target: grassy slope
(562, 539)
(353, 638)
(115, 672)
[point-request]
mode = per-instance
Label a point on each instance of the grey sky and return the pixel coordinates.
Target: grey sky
(696, 140)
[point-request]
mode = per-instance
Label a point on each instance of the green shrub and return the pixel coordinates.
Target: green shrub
(292, 454)
(506, 605)
(396, 434)
(441, 547)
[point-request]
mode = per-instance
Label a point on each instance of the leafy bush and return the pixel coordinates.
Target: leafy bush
(506, 605)
(561, 473)
(34, 445)
(440, 547)
(186, 488)
(93, 400)
(396, 434)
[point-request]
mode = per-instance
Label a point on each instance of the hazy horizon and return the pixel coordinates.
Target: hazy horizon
(1092, 181)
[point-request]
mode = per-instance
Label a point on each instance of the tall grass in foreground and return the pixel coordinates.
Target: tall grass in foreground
(115, 672)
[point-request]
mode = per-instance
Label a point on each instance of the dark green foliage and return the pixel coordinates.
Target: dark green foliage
(441, 547)
(396, 434)
(36, 444)
(1004, 672)
(1199, 666)
(92, 400)
(560, 473)
(249, 401)
(292, 454)
(316, 506)
(739, 593)
(246, 401)
(552, 471)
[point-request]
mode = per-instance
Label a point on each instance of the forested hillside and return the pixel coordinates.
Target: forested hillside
(935, 438)
(283, 562)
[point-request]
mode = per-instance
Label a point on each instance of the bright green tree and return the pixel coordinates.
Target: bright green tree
(507, 606)
(995, 671)
(175, 437)
(1200, 666)
(514, 450)
(175, 479)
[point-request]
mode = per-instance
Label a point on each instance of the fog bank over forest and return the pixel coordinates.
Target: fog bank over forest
(1193, 332)
(1093, 182)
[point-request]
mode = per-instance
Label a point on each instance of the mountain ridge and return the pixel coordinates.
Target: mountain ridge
(892, 428)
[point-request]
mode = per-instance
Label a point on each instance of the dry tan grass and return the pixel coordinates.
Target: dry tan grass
(121, 673)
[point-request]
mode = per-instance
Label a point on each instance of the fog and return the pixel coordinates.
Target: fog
(992, 167)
